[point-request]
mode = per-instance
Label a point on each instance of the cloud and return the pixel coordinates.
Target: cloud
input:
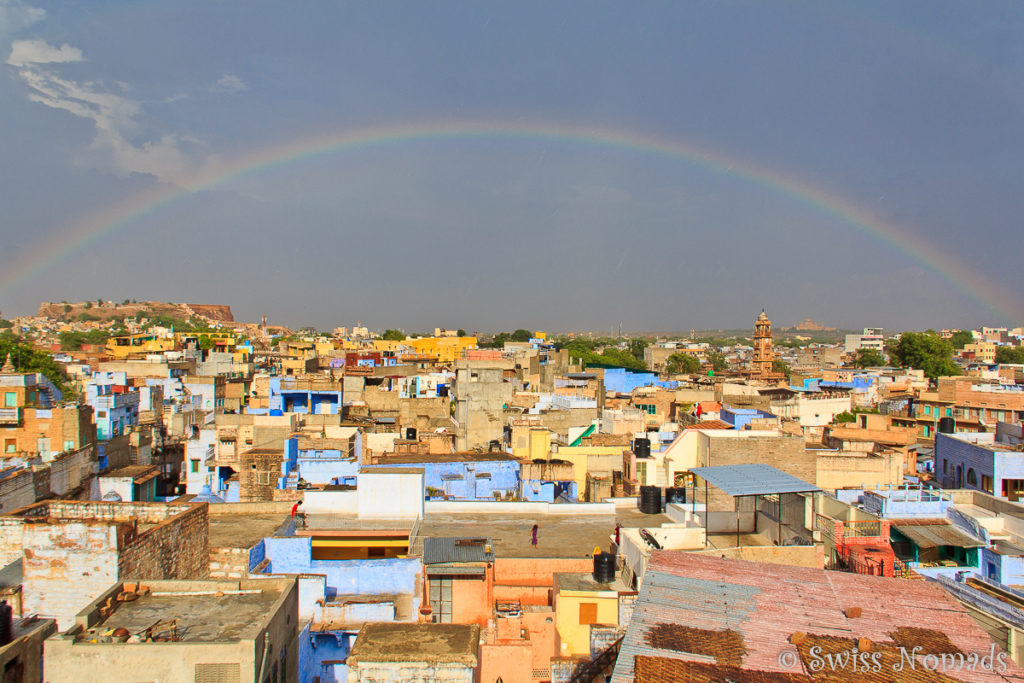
(229, 83)
(26, 52)
(16, 15)
(120, 142)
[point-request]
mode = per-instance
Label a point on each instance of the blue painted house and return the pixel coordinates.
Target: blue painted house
(115, 405)
(463, 476)
(308, 397)
(977, 461)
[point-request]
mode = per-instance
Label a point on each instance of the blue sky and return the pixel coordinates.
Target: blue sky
(909, 110)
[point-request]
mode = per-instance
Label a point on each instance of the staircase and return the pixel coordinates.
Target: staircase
(601, 665)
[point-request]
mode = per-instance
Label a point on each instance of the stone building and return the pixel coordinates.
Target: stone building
(73, 550)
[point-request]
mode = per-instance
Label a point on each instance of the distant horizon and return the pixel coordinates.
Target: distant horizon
(608, 332)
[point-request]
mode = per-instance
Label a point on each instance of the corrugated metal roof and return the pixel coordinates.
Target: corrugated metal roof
(755, 479)
(935, 535)
(439, 550)
(765, 604)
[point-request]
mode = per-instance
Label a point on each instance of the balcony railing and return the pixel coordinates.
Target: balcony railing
(10, 416)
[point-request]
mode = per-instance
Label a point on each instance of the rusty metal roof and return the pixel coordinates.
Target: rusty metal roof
(935, 535)
(740, 616)
(440, 550)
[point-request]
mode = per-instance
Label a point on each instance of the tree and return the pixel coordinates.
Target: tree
(960, 339)
(844, 417)
(521, 335)
(461, 332)
(27, 359)
(925, 351)
(779, 366)
(393, 335)
(636, 347)
(717, 361)
(869, 358)
(682, 363)
(1010, 355)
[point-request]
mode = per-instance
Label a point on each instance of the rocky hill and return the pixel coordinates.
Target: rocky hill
(105, 310)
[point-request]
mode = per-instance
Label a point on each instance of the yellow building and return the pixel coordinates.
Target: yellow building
(983, 351)
(138, 345)
(446, 349)
(598, 460)
(581, 604)
(530, 441)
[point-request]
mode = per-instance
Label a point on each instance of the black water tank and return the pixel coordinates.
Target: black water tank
(675, 494)
(947, 425)
(604, 567)
(650, 500)
(410, 433)
(7, 620)
(642, 448)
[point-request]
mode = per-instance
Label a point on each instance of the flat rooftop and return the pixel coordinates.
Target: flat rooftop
(405, 642)
(464, 456)
(573, 581)
(244, 530)
(559, 535)
(201, 615)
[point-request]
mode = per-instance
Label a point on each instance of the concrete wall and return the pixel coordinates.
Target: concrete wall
(66, 565)
(400, 672)
(853, 470)
(383, 494)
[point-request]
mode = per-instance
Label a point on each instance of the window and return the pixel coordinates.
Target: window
(949, 412)
(195, 467)
(69, 444)
(986, 483)
(588, 613)
(263, 478)
(217, 673)
(10, 445)
(10, 399)
(441, 598)
(972, 477)
(945, 466)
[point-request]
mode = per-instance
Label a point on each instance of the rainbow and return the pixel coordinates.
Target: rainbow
(41, 256)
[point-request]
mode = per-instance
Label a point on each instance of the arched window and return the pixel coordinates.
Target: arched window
(972, 478)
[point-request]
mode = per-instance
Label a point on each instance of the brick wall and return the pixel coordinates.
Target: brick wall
(178, 548)
(258, 475)
(17, 490)
(783, 453)
(229, 563)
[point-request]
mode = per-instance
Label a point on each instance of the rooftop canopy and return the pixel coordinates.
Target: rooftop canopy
(755, 479)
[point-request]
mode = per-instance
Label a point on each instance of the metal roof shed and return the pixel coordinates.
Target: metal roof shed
(754, 479)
